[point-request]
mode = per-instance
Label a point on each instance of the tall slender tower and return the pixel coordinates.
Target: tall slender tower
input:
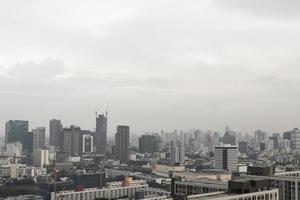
(38, 138)
(101, 134)
(122, 144)
(56, 136)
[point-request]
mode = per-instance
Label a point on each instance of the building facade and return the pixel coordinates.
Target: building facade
(101, 134)
(121, 148)
(226, 157)
(177, 153)
(150, 144)
(87, 143)
(114, 190)
(40, 157)
(56, 136)
(38, 138)
(17, 131)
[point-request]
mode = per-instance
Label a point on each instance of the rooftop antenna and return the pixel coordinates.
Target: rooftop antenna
(106, 108)
(96, 113)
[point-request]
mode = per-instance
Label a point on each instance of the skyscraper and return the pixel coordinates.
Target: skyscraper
(295, 138)
(101, 134)
(259, 136)
(226, 157)
(72, 140)
(38, 138)
(150, 144)
(56, 136)
(40, 157)
(177, 154)
(243, 147)
(17, 131)
(229, 138)
(87, 143)
(67, 141)
(122, 144)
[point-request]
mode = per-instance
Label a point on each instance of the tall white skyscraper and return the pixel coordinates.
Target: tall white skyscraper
(226, 157)
(177, 154)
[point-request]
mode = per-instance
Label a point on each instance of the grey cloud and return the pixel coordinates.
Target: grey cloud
(196, 60)
(265, 8)
(32, 71)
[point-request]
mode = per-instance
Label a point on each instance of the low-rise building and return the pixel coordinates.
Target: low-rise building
(113, 190)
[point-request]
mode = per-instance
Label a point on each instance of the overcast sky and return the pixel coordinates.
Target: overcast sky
(154, 64)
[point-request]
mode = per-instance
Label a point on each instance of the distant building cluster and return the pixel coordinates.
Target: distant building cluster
(194, 164)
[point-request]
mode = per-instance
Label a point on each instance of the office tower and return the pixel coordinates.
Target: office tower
(30, 142)
(274, 139)
(287, 135)
(72, 141)
(122, 144)
(177, 154)
(91, 133)
(243, 147)
(229, 138)
(207, 142)
(40, 157)
(67, 141)
(198, 136)
(226, 157)
(76, 141)
(17, 131)
(174, 154)
(295, 139)
(259, 136)
(216, 138)
(38, 138)
(181, 152)
(101, 134)
(87, 143)
(192, 145)
(56, 137)
(150, 144)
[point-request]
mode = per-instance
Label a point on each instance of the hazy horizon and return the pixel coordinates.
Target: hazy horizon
(152, 64)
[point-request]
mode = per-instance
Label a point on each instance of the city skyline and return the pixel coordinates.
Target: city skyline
(112, 129)
(151, 64)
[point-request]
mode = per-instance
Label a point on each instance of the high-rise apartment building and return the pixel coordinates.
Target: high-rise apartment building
(226, 157)
(101, 134)
(17, 131)
(38, 138)
(121, 148)
(56, 136)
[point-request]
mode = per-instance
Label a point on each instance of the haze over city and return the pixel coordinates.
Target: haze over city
(152, 64)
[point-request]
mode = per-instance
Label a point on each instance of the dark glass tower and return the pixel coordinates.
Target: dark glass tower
(122, 144)
(101, 134)
(17, 131)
